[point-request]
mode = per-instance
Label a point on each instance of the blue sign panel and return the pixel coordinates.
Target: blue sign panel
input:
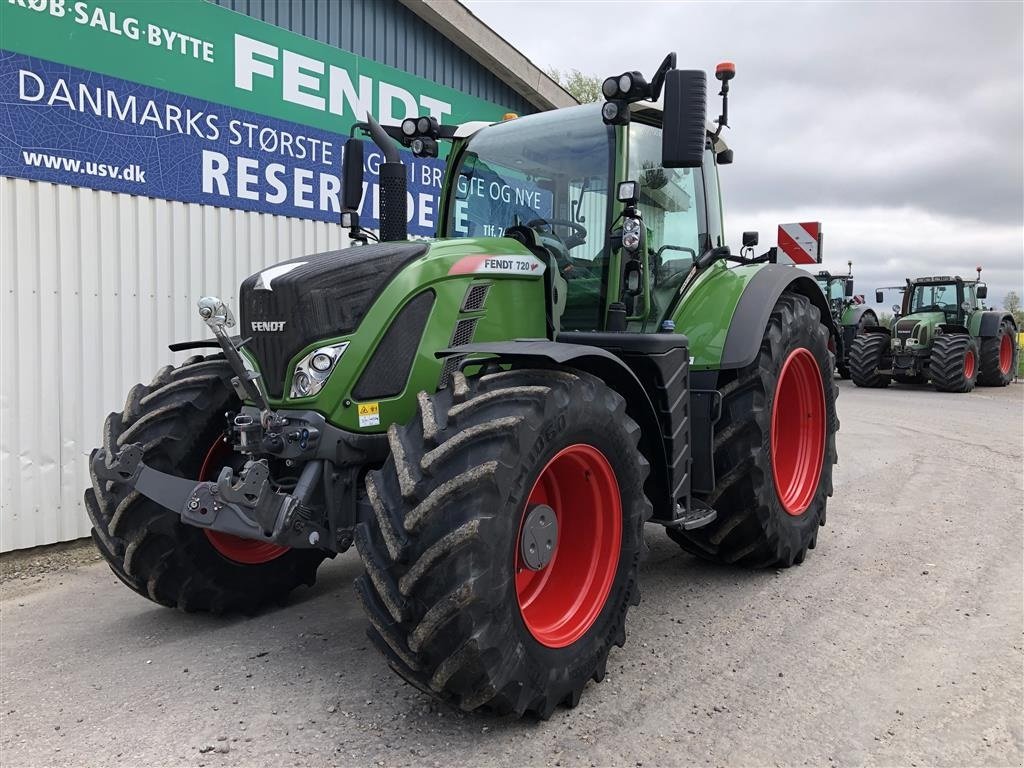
(71, 126)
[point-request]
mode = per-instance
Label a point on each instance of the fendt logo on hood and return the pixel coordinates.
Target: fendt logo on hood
(268, 325)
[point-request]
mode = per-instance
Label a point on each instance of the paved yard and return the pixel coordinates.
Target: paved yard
(899, 642)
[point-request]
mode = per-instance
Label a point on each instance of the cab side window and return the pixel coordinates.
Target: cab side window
(671, 203)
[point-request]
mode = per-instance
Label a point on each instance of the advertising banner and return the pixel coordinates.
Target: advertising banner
(187, 101)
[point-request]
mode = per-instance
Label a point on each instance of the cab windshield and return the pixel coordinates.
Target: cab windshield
(833, 289)
(934, 298)
(549, 172)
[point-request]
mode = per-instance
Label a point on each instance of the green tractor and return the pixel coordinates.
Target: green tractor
(493, 416)
(849, 312)
(941, 334)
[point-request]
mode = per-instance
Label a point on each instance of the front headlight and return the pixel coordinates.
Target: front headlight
(312, 371)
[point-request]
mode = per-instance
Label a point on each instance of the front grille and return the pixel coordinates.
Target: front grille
(288, 306)
(388, 370)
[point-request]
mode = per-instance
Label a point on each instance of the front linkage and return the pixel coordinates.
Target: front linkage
(248, 504)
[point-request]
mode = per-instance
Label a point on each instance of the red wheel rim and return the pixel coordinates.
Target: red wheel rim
(560, 602)
(234, 548)
(798, 431)
(1005, 354)
(969, 364)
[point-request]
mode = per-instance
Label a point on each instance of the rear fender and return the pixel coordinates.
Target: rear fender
(750, 318)
(610, 369)
(853, 315)
(878, 329)
(988, 323)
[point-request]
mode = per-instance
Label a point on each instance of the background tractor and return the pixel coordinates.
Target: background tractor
(941, 334)
(492, 416)
(849, 312)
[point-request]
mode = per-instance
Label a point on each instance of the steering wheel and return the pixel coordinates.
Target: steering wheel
(578, 235)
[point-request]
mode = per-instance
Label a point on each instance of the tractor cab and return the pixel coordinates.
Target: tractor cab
(953, 297)
(560, 183)
(837, 288)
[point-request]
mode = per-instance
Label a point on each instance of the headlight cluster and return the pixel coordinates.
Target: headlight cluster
(631, 233)
(312, 371)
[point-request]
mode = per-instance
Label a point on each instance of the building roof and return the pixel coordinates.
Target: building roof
(457, 23)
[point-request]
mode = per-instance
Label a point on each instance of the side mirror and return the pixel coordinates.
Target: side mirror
(879, 297)
(750, 239)
(982, 291)
(683, 133)
(352, 175)
(848, 289)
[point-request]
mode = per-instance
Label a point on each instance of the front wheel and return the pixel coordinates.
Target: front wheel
(774, 447)
(953, 362)
(506, 540)
(179, 419)
(867, 354)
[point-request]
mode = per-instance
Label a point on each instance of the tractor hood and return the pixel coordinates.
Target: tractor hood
(919, 327)
(288, 306)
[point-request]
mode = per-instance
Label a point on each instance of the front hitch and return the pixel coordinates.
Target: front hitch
(245, 505)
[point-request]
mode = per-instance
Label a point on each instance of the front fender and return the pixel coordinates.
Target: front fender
(615, 373)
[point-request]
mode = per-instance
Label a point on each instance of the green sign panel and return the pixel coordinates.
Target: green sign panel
(184, 100)
(198, 49)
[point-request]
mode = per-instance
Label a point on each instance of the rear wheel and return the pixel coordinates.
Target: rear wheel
(774, 447)
(998, 357)
(179, 420)
(867, 353)
(507, 539)
(953, 362)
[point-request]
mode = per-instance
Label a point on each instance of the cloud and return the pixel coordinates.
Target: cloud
(898, 125)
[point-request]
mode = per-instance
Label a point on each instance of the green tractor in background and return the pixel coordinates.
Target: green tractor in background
(849, 312)
(493, 416)
(942, 333)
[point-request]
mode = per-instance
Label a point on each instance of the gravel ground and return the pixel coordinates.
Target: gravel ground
(899, 642)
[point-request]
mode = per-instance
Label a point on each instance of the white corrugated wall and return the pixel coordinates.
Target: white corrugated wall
(95, 286)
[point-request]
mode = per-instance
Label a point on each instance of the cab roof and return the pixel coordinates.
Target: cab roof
(644, 108)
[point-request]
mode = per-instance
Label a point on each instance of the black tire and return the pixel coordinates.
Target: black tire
(953, 362)
(866, 320)
(990, 371)
(457, 632)
(867, 354)
(176, 419)
(753, 527)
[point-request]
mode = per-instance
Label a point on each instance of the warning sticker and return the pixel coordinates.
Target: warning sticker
(369, 414)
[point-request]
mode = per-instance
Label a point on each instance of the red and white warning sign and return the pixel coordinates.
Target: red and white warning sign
(800, 243)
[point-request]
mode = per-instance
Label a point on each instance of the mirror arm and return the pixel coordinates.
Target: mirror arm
(380, 137)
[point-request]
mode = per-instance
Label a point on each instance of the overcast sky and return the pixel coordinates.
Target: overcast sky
(898, 126)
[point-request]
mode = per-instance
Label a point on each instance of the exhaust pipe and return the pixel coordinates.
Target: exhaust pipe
(393, 210)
